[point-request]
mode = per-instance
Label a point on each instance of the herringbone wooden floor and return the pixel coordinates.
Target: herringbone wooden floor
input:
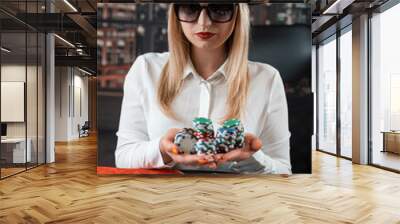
(69, 191)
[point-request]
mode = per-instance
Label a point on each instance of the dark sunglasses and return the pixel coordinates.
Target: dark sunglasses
(218, 13)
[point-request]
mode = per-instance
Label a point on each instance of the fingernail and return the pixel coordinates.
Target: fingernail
(175, 150)
(202, 161)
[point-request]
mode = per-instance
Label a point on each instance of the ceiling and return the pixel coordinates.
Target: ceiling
(72, 20)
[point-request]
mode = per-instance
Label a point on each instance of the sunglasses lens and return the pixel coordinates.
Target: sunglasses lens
(188, 12)
(221, 13)
(217, 12)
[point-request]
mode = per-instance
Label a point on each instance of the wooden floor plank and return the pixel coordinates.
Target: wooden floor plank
(69, 191)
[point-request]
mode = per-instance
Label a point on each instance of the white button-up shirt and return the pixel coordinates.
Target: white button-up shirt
(142, 124)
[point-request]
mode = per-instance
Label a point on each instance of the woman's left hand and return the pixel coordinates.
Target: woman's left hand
(252, 145)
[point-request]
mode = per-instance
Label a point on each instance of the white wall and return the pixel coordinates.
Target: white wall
(33, 126)
(71, 94)
(61, 103)
(12, 73)
(12, 100)
(80, 110)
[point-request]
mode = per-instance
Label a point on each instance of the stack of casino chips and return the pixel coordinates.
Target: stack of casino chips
(230, 136)
(201, 139)
(239, 129)
(204, 133)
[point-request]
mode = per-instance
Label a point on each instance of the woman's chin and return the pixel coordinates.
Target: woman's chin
(205, 46)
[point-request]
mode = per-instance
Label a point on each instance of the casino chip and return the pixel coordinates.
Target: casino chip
(185, 140)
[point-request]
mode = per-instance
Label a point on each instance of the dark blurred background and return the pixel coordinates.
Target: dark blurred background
(280, 36)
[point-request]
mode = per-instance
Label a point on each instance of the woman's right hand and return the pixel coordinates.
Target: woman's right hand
(169, 152)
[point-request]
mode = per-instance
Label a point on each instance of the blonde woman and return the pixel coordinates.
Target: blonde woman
(206, 73)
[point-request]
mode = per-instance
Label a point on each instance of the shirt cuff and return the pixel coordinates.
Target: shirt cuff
(266, 161)
(156, 154)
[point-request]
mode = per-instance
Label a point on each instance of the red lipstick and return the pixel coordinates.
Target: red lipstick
(205, 35)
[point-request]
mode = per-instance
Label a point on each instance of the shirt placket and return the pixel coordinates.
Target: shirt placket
(205, 98)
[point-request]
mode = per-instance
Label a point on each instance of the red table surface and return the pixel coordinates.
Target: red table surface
(113, 170)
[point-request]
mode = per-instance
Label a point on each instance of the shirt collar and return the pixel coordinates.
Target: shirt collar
(189, 69)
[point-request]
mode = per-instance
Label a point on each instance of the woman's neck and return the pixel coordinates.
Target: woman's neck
(206, 61)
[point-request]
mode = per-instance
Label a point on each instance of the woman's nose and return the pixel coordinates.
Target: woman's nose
(203, 18)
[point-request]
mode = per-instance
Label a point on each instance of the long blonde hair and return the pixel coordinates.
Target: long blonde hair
(237, 46)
